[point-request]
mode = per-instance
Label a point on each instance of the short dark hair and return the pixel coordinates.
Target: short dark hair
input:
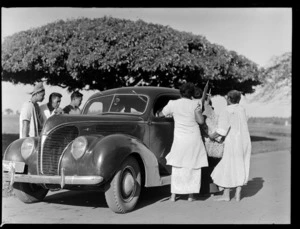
(197, 92)
(187, 90)
(234, 96)
(76, 94)
(54, 95)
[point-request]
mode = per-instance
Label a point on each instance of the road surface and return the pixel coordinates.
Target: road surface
(265, 200)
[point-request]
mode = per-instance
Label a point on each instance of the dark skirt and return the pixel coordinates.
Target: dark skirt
(207, 185)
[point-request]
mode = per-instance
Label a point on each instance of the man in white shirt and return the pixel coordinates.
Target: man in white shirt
(30, 116)
(52, 107)
(73, 107)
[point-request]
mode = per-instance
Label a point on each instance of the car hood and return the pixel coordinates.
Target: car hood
(59, 120)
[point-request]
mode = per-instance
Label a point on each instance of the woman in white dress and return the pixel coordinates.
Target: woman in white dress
(233, 169)
(188, 154)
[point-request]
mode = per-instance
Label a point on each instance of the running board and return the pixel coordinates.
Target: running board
(165, 180)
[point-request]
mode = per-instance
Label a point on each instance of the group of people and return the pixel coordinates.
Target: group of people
(188, 154)
(33, 116)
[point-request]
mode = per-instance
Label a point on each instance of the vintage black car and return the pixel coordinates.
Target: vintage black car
(117, 145)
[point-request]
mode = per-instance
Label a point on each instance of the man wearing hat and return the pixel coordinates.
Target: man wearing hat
(30, 117)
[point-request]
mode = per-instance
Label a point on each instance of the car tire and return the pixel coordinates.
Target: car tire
(29, 193)
(123, 192)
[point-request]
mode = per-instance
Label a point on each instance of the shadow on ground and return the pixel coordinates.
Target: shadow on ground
(78, 198)
(96, 199)
(252, 188)
(260, 138)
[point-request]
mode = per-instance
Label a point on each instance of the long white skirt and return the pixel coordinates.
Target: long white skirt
(185, 180)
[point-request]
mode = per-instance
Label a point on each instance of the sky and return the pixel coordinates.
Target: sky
(257, 33)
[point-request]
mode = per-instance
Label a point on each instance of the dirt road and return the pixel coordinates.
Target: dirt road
(265, 200)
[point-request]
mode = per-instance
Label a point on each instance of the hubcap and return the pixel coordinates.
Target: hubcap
(128, 184)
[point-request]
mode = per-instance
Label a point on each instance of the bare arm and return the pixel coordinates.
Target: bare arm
(214, 135)
(159, 113)
(25, 129)
(198, 115)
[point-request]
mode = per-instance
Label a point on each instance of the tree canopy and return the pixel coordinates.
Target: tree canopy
(107, 52)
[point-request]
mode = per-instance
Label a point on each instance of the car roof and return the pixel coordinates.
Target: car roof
(147, 90)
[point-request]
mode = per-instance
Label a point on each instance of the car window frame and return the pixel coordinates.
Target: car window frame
(163, 118)
(113, 98)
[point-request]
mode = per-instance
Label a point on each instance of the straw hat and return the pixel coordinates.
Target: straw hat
(37, 88)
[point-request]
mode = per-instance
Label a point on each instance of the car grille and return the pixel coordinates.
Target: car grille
(54, 145)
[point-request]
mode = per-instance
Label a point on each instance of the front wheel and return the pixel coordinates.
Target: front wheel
(123, 192)
(29, 193)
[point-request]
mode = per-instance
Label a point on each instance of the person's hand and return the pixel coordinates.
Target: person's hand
(211, 137)
(58, 111)
(198, 108)
(208, 100)
(159, 113)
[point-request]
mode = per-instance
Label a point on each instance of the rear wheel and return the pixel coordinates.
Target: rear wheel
(123, 192)
(29, 193)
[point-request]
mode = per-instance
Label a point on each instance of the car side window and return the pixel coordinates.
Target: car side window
(162, 101)
(98, 105)
(96, 108)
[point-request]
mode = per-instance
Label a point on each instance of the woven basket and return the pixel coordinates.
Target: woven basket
(214, 148)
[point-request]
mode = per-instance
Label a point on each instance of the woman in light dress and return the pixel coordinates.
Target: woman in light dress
(188, 154)
(210, 118)
(233, 169)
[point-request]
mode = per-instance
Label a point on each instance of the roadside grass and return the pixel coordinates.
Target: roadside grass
(269, 137)
(264, 138)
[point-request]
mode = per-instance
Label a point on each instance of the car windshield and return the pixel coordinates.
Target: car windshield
(117, 103)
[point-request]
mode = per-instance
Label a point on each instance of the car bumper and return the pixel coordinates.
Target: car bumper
(12, 170)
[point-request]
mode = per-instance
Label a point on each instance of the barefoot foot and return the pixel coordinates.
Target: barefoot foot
(173, 198)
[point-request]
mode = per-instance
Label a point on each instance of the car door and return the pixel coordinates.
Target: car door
(161, 132)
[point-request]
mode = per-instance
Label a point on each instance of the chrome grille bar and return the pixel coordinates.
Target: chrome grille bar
(53, 147)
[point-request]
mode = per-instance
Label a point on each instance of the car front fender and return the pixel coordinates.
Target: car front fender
(13, 153)
(104, 156)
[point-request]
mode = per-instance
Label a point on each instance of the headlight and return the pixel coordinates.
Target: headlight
(27, 147)
(78, 147)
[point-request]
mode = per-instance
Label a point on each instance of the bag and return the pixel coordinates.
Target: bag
(213, 148)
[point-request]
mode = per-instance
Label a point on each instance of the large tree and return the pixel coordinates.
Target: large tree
(107, 52)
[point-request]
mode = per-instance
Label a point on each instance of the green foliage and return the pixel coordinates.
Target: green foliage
(106, 53)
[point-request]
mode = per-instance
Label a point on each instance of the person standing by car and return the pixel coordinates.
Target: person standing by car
(233, 169)
(188, 154)
(207, 185)
(52, 107)
(73, 107)
(31, 121)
